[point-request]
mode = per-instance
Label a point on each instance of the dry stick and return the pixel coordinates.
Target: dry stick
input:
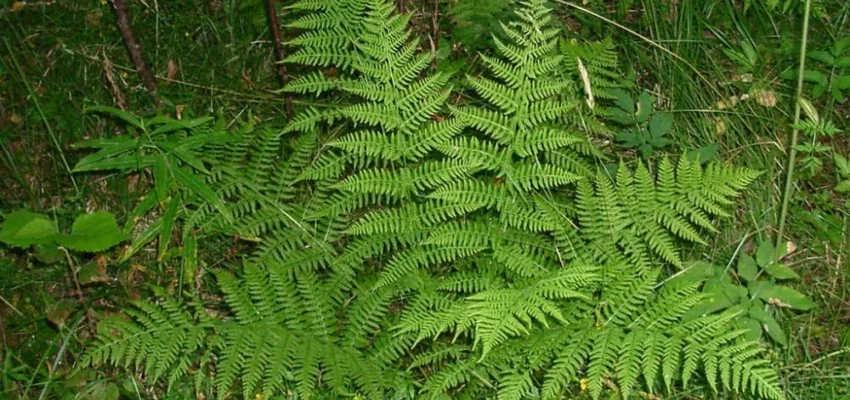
(135, 49)
(109, 72)
(279, 53)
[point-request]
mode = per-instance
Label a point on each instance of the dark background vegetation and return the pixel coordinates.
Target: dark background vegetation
(720, 67)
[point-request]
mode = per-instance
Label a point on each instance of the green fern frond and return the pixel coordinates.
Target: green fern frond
(644, 216)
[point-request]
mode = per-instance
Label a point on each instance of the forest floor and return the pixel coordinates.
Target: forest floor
(720, 67)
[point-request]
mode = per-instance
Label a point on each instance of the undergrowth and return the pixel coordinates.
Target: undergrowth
(488, 251)
(472, 199)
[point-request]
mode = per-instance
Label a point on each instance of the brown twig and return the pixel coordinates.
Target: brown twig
(117, 94)
(279, 52)
(135, 49)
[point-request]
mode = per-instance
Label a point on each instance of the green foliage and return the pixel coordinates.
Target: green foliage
(814, 151)
(642, 216)
(399, 253)
(91, 233)
(827, 70)
(171, 150)
(26, 228)
(475, 21)
(595, 65)
(842, 169)
(647, 129)
(756, 297)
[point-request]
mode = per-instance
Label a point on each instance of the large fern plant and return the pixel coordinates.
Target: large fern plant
(405, 253)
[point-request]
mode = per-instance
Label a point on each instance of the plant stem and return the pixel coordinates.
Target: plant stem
(50, 132)
(792, 154)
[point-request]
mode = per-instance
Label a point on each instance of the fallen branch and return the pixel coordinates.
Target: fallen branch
(279, 52)
(135, 49)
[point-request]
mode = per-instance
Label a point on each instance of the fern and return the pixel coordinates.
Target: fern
(396, 252)
(595, 65)
(643, 216)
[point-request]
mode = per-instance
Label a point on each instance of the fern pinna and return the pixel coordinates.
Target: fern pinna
(405, 253)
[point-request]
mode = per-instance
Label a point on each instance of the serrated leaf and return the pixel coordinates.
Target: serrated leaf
(92, 233)
(753, 328)
(765, 254)
(660, 124)
(769, 324)
(623, 100)
(735, 293)
(196, 141)
(747, 267)
(629, 139)
(783, 296)
(780, 271)
(621, 117)
(26, 228)
(756, 288)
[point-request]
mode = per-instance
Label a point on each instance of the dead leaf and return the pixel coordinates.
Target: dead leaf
(790, 247)
(766, 98)
(59, 312)
(171, 70)
(720, 126)
(90, 273)
(732, 101)
(93, 17)
(15, 118)
(777, 303)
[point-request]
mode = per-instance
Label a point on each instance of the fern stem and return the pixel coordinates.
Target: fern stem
(792, 154)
